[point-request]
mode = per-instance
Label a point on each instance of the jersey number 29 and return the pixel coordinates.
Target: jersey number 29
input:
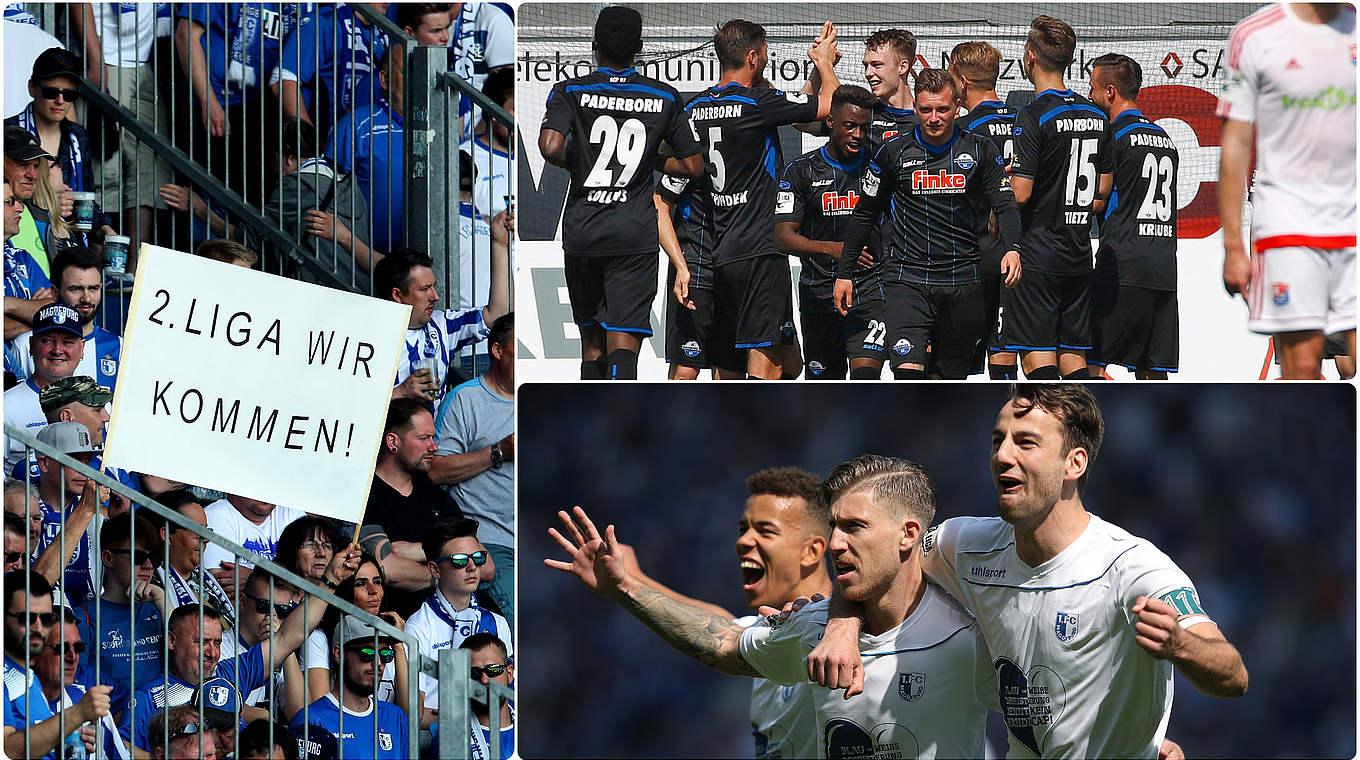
(627, 142)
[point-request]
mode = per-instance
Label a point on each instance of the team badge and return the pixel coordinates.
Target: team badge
(217, 696)
(691, 349)
(964, 161)
(815, 367)
(910, 686)
(902, 347)
(385, 741)
(108, 365)
(1065, 627)
(1279, 293)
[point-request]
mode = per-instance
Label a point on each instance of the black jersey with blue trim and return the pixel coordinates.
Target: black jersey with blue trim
(938, 199)
(738, 128)
(1060, 144)
(614, 121)
(820, 194)
(1138, 233)
(693, 223)
(995, 120)
(887, 122)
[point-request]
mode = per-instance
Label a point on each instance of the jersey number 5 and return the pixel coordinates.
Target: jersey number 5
(716, 168)
(627, 142)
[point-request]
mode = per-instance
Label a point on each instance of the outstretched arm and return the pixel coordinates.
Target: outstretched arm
(699, 634)
(1199, 652)
(835, 662)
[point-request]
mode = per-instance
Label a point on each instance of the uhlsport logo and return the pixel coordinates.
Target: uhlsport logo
(1065, 627)
(910, 686)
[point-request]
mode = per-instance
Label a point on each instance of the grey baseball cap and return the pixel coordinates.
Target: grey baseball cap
(353, 629)
(68, 438)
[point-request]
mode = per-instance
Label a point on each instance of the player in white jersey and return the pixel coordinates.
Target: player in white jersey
(781, 548)
(1084, 621)
(929, 665)
(1291, 75)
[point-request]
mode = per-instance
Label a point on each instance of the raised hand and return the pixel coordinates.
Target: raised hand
(598, 561)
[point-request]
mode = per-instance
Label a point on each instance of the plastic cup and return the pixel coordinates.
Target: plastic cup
(116, 253)
(84, 210)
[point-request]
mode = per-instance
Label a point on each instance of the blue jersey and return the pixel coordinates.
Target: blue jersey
(367, 142)
(78, 580)
(334, 43)
(242, 43)
(321, 724)
(24, 276)
(232, 679)
(447, 333)
(113, 746)
(115, 643)
(25, 704)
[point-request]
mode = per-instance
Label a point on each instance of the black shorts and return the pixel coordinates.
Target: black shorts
(948, 318)
(752, 301)
(1335, 345)
(1136, 328)
(614, 292)
(991, 304)
(1046, 312)
(689, 332)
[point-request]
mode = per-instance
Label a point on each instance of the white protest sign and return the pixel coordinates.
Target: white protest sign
(254, 384)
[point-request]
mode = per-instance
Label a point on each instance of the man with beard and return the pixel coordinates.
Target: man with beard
(1062, 597)
(372, 728)
(403, 503)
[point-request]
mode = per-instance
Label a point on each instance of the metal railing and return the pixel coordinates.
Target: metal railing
(451, 670)
(239, 194)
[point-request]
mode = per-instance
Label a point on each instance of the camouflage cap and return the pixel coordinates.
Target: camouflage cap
(80, 388)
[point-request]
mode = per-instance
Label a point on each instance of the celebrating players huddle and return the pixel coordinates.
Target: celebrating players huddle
(930, 241)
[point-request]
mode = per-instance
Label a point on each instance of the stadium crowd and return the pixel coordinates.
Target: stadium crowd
(941, 230)
(121, 619)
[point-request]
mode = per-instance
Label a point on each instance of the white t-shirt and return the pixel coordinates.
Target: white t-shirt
(126, 32)
(22, 411)
(1062, 636)
(436, 625)
(928, 682)
(1296, 82)
(783, 717)
(263, 539)
(319, 656)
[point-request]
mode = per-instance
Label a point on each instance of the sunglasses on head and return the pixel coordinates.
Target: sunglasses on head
(52, 93)
(190, 729)
(366, 654)
(71, 646)
(48, 619)
(491, 671)
(139, 556)
(262, 606)
(461, 560)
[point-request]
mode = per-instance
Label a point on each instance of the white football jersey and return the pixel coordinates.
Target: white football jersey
(1073, 682)
(928, 682)
(1296, 82)
(783, 716)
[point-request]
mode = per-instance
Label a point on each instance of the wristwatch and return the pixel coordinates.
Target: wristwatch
(497, 457)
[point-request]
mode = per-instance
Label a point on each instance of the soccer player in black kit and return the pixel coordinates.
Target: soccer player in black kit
(1134, 321)
(976, 66)
(1060, 177)
(737, 125)
(606, 129)
(817, 195)
(939, 183)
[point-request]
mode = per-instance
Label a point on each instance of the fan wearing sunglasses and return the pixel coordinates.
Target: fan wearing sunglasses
(491, 662)
(357, 651)
(30, 728)
(190, 736)
(57, 669)
(451, 613)
(264, 608)
(54, 86)
(128, 592)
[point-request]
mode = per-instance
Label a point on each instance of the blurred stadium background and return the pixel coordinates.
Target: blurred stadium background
(1250, 489)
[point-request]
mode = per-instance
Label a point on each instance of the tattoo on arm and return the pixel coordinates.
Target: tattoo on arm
(702, 636)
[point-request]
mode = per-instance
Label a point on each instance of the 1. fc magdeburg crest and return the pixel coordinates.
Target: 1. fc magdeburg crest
(910, 686)
(1065, 627)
